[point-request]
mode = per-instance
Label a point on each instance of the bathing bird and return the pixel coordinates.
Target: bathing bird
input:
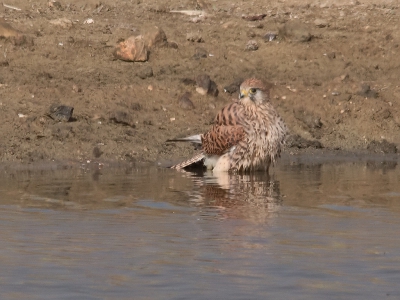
(247, 134)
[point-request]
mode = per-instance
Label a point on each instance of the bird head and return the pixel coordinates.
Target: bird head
(253, 92)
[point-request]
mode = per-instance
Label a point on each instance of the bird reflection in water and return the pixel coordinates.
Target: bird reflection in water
(254, 196)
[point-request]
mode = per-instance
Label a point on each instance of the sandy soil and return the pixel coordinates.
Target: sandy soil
(334, 67)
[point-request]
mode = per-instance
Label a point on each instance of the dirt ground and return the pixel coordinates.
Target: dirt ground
(334, 67)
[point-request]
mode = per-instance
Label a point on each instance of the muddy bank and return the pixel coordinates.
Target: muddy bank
(333, 70)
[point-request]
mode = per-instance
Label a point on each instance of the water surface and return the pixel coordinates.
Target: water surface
(309, 231)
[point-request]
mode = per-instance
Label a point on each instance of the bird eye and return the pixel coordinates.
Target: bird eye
(253, 90)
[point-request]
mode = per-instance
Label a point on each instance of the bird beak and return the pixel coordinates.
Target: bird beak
(242, 94)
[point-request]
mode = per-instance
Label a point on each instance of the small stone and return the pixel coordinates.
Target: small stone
(61, 113)
(200, 53)
(331, 55)
(188, 81)
(270, 36)
(308, 118)
(194, 37)
(146, 72)
(365, 91)
(132, 49)
(122, 117)
(76, 89)
(62, 22)
(254, 17)
(213, 89)
(97, 152)
(7, 31)
(173, 45)
(321, 23)
(234, 86)
(136, 106)
(382, 147)
(251, 45)
(251, 34)
(203, 84)
(155, 37)
(296, 141)
(185, 102)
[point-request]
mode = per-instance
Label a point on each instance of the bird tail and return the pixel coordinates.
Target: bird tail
(193, 139)
(189, 162)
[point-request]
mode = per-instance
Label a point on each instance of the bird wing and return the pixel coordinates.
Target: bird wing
(220, 138)
(228, 130)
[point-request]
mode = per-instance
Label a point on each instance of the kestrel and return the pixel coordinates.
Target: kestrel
(247, 134)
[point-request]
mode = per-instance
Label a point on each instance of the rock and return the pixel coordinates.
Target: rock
(331, 55)
(173, 45)
(188, 81)
(62, 22)
(97, 152)
(366, 92)
(308, 118)
(146, 72)
(7, 31)
(203, 84)
(55, 5)
(206, 86)
(295, 31)
(296, 141)
(185, 102)
(382, 115)
(132, 49)
(270, 36)
(200, 53)
(194, 37)
(254, 17)
(155, 37)
(136, 106)
(234, 86)
(321, 23)
(382, 147)
(122, 117)
(16, 37)
(251, 45)
(213, 89)
(251, 34)
(61, 113)
(76, 88)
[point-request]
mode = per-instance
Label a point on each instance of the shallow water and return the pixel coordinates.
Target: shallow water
(309, 231)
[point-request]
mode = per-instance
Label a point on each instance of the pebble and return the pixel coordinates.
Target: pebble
(234, 86)
(194, 37)
(251, 45)
(321, 23)
(254, 17)
(122, 117)
(365, 91)
(270, 36)
(97, 152)
(200, 53)
(156, 37)
(132, 49)
(382, 147)
(61, 113)
(146, 72)
(203, 82)
(185, 102)
(62, 22)
(206, 86)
